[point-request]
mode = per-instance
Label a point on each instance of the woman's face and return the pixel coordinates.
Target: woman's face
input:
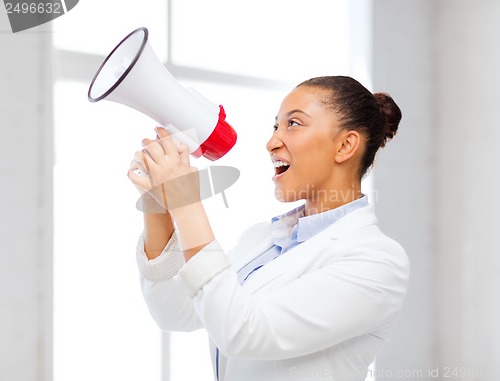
(303, 145)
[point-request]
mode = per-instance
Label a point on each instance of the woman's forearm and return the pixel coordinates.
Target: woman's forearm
(193, 228)
(158, 228)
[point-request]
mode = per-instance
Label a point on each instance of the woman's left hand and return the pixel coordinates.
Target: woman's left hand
(168, 177)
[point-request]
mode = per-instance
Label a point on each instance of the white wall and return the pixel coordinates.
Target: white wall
(403, 66)
(467, 208)
(25, 204)
(440, 60)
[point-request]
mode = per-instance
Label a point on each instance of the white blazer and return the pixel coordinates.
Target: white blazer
(321, 311)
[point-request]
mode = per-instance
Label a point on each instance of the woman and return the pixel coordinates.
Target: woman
(310, 295)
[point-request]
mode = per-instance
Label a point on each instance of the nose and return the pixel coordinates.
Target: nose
(275, 141)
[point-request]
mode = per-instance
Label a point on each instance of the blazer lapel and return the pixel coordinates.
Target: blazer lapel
(355, 220)
(248, 248)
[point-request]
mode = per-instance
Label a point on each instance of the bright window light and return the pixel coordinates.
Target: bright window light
(96, 26)
(290, 40)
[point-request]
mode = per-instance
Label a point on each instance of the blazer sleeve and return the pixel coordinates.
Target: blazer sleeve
(354, 294)
(165, 296)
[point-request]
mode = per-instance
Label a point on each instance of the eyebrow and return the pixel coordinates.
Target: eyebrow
(290, 113)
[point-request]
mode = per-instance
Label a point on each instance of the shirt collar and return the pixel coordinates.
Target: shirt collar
(296, 223)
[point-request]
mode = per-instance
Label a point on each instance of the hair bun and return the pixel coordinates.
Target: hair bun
(390, 112)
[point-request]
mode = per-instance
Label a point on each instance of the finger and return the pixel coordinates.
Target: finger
(166, 141)
(184, 154)
(142, 182)
(143, 159)
(154, 149)
(161, 132)
(135, 165)
(146, 141)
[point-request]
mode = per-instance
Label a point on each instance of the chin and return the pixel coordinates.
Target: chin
(285, 195)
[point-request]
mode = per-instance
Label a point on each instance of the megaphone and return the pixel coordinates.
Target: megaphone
(133, 75)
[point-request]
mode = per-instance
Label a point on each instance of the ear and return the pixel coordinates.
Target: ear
(348, 145)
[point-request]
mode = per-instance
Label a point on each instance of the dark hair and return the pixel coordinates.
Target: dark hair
(376, 116)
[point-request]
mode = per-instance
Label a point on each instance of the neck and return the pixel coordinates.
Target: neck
(321, 200)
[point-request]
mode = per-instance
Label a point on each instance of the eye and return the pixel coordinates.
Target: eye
(291, 123)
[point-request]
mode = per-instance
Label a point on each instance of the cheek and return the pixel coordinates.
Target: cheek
(315, 162)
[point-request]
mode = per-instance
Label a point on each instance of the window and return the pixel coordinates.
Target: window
(246, 58)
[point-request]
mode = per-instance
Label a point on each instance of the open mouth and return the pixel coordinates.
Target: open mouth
(280, 167)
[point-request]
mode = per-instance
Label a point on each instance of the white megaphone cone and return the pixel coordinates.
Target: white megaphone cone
(133, 75)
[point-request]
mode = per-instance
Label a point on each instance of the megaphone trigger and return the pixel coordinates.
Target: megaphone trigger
(140, 172)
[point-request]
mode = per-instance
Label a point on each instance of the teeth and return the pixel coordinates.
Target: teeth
(279, 163)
